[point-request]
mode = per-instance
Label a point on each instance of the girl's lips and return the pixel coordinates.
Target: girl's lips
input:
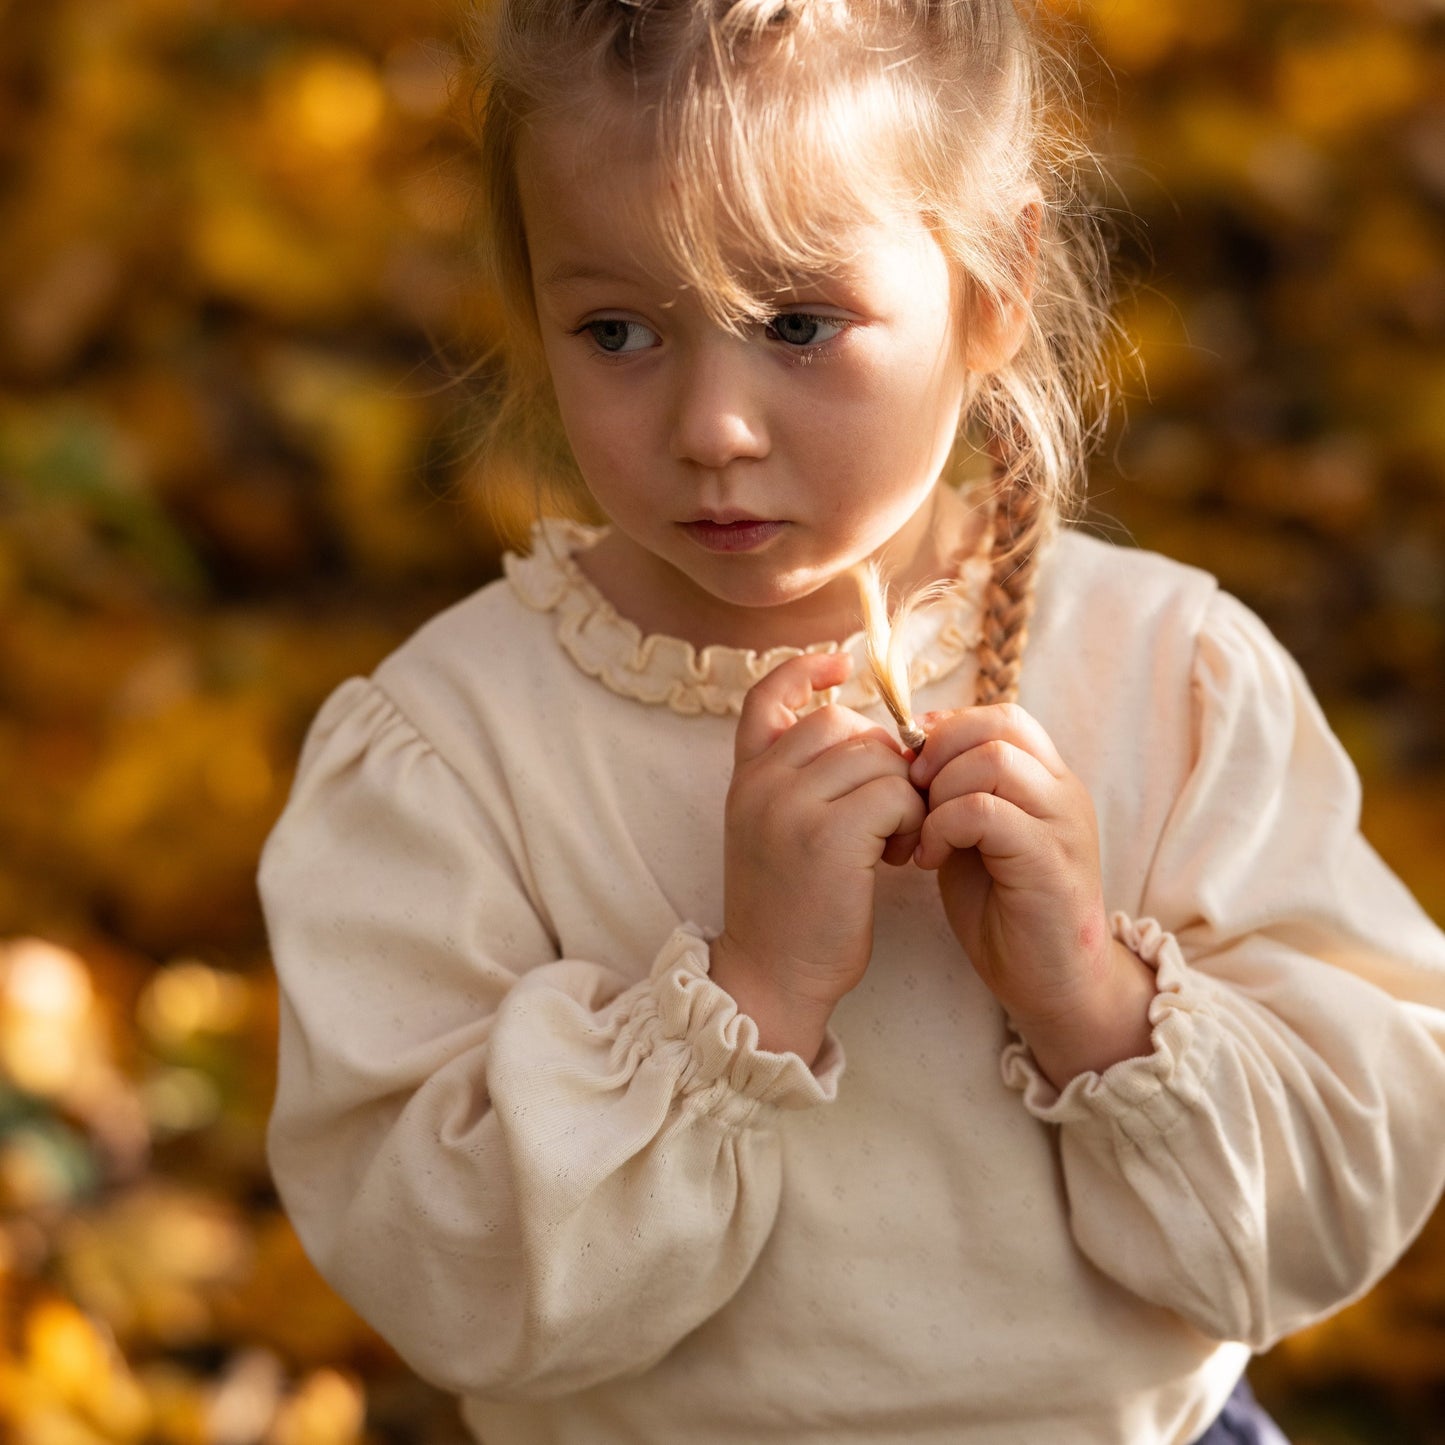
(744, 536)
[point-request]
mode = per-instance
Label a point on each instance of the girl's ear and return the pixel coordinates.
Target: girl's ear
(998, 324)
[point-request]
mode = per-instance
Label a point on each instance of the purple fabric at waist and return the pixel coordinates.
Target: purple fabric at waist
(1242, 1422)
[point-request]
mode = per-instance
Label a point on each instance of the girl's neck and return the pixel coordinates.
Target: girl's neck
(661, 600)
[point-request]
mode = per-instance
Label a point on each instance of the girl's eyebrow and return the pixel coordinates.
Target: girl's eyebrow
(569, 274)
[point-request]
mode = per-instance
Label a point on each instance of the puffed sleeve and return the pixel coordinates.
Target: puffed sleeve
(1283, 1143)
(526, 1172)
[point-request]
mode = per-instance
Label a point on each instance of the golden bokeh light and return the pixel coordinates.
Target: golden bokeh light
(47, 1029)
(189, 997)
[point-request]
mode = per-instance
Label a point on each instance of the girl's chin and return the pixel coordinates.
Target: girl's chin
(824, 602)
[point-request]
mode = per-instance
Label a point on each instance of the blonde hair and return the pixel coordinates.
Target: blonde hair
(760, 111)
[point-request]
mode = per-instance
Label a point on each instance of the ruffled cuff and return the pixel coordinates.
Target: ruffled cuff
(686, 1023)
(1145, 1094)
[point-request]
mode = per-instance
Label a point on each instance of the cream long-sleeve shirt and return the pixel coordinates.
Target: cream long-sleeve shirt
(520, 1129)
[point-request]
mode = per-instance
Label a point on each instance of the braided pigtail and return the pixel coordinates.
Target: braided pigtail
(1020, 521)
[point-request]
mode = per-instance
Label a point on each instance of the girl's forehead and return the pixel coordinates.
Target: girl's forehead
(598, 199)
(585, 204)
(567, 153)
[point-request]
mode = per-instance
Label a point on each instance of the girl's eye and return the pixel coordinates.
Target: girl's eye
(617, 336)
(802, 328)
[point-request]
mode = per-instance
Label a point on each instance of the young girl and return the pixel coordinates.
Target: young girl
(623, 1087)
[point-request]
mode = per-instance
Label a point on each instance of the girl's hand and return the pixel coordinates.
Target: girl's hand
(1013, 836)
(815, 804)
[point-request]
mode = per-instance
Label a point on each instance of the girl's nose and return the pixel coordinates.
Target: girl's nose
(718, 414)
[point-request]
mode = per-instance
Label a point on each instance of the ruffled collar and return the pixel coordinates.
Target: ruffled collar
(670, 672)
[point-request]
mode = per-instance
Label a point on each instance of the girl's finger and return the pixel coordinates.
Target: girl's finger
(838, 770)
(881, 809)
(1005, 770)
(772, 705)
(899, 849)
(998, 829)
(952, 733)
(826, 728)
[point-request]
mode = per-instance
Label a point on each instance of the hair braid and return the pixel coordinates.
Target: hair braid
(1019, 522)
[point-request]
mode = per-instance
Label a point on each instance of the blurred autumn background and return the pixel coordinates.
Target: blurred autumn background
(234, 470)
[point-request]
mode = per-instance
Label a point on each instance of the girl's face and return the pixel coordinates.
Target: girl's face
(744, 475)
